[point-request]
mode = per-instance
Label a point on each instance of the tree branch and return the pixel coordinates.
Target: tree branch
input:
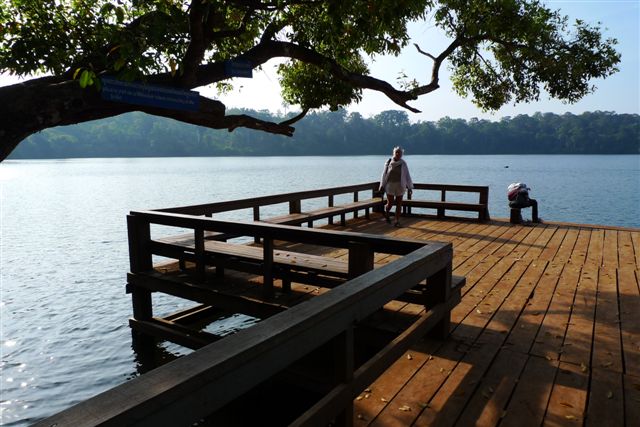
(45, 103)
(294, 119)
(268, 49)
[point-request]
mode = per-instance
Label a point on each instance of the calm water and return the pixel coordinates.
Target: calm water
(63, 250)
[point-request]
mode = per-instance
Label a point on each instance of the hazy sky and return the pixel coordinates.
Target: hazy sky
(619, 93)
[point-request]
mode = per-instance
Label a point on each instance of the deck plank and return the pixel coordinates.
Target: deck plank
(568, 397)
(579, 337)
(550, 337)
(631, 399)
(595, 250)
(626, 257)
(629, 302)
(635, 238)
(531, 396)
(606, 403)
(607, 348)
(610, 249)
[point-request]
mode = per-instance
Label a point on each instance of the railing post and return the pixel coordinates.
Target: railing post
(407, 209)
(355, 199)
(343, 362)
(330, 203)
(294, 206)
(198, 237)
(484, 200)
(140, 260)
(438, 290)
(267, 256)
(375, 193)
(443, 198)
(256, 217)
(360, 259)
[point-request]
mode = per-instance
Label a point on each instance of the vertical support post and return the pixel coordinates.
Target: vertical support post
(484, 200)
(330, 204)
(374, 194)
(294, 206)
(443, 198)
(198, 237)
(355, 199)
(343, 362)
(360, 259)
(438, 290)
(256, 217)
(140, 260)
(267, 257)
(407, 209)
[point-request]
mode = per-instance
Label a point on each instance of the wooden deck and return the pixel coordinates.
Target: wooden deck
(548, 330)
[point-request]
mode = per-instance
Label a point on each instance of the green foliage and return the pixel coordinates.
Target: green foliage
(512, 49)
(506, 51)
(339, 133)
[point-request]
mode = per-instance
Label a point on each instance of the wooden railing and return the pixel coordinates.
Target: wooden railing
(188, 389)
(294, 200)
(444, 204)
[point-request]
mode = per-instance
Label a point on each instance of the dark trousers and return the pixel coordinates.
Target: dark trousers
(529, 203)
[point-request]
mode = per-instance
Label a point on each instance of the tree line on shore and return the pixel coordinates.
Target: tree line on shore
(342, 133)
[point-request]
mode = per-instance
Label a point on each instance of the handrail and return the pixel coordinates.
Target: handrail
(210, 208)
(321, 237)
(191, 387)
(483, 195)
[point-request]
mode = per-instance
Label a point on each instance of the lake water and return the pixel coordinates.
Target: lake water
(63, 250)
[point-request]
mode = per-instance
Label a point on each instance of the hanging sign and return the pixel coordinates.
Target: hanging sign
(149, 95)
(238, 68)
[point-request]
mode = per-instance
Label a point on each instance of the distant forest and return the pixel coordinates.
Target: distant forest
(342, 133)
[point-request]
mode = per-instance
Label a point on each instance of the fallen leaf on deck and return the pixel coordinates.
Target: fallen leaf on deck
(570, 417)
(382, 399)
(366, 396)
(609, 394)
(424, 405)
(478, 311)
(368, 390)
(409, 357)
(405, 408)
(568, 405)
(583, 367)
(359, 398)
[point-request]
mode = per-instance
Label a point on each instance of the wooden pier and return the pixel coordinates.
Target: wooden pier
(544, 319)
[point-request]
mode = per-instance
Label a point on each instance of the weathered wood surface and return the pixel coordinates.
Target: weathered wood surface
(547, 332)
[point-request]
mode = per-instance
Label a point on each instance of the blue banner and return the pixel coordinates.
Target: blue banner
(238, 68)
(149, 95)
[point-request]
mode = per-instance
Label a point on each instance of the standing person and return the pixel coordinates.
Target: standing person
(395, 179)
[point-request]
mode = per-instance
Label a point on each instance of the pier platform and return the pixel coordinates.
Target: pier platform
(441, 322)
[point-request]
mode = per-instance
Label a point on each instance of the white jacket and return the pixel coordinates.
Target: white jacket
(405, 177)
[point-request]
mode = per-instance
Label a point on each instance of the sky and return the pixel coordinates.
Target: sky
(619, 93)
